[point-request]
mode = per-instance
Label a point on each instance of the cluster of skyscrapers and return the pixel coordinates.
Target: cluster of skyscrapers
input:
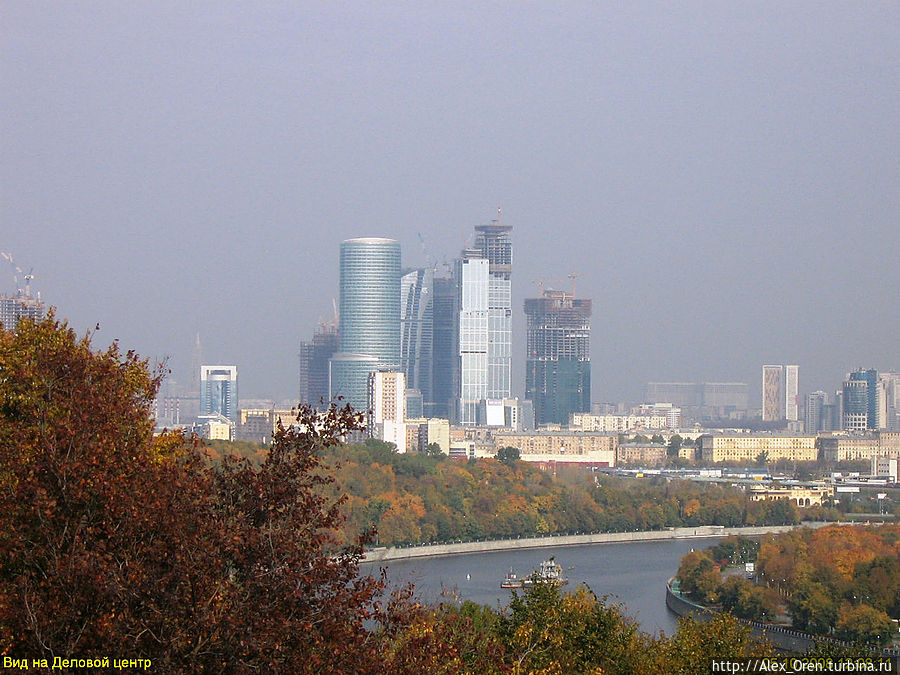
(450, 335)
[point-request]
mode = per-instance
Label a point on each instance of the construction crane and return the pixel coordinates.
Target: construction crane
(541, 282)
(26, 277)
(573, 277)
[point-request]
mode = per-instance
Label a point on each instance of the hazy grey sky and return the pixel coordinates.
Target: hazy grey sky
(722, 176)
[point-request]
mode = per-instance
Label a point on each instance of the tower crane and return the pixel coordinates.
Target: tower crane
(27, 278)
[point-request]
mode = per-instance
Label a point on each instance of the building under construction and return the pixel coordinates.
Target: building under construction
(558, 363)
(22, 305)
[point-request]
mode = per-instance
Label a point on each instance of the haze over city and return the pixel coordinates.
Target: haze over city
(721, 178)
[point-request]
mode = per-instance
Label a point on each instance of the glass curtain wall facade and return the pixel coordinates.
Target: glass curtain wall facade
(369, 317)
(473, 276)
(445, 352)
(219, 391)
(416, 330)
(558, 357)
(493, 243)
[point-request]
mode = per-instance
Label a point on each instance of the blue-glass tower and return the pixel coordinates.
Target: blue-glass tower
(369, 316)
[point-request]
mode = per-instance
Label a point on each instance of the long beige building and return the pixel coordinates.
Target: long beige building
(747, 447)
(561, 446)
(846, 447)
(620, 423)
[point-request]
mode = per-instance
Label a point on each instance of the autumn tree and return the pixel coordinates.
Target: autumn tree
(113, 542)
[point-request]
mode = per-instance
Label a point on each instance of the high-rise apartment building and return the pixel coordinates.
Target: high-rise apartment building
(387, 407)
(773, 393)
(369, 317)
(13, 308)
(558, 356)
(314, 358)
(417, 331)
(219, 391)
(792, 393)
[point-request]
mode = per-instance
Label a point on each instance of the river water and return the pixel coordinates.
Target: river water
(633, 574)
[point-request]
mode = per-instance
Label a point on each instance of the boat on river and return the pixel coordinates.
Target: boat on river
(549, 572)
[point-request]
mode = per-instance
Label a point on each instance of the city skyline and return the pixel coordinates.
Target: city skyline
(704, 173)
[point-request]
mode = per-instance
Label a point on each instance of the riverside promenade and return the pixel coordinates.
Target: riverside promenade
(426, 551)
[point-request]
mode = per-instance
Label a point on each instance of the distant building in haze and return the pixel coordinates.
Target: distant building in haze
(369, 317)
(417, 331)
(815, 410)
(314, 358)
(558, 356)
(773, 393)
(701, 400)
(792, 393)
(219, 391)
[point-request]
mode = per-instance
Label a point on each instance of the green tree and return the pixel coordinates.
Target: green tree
(675, 443)
(507, 455)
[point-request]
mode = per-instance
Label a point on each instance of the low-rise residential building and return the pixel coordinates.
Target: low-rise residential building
(745, 448)
(258, 424)
(886, 467)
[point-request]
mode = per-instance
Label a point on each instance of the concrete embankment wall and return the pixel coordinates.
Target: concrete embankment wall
(783, 638)
(385, 554)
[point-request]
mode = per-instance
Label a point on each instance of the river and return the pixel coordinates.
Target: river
(632, 573)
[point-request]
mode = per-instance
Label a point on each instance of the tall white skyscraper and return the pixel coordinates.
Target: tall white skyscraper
(792, 393)
(473, 287)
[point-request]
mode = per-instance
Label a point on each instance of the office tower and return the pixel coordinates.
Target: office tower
(314, 358)
(773, 393)
(815, 409)
(792, 393)
(219, 391)
(416, 330)
(369, 317)
(891, 393)
(13, 308)
(558, 356)
(473, 286)
(387, 407)
(445, 355)
(861, 400)
(494, 244)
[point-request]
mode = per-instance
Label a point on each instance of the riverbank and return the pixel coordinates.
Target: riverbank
(706, 531)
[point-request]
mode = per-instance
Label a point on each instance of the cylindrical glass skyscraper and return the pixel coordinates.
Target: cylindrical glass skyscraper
(369, 318)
